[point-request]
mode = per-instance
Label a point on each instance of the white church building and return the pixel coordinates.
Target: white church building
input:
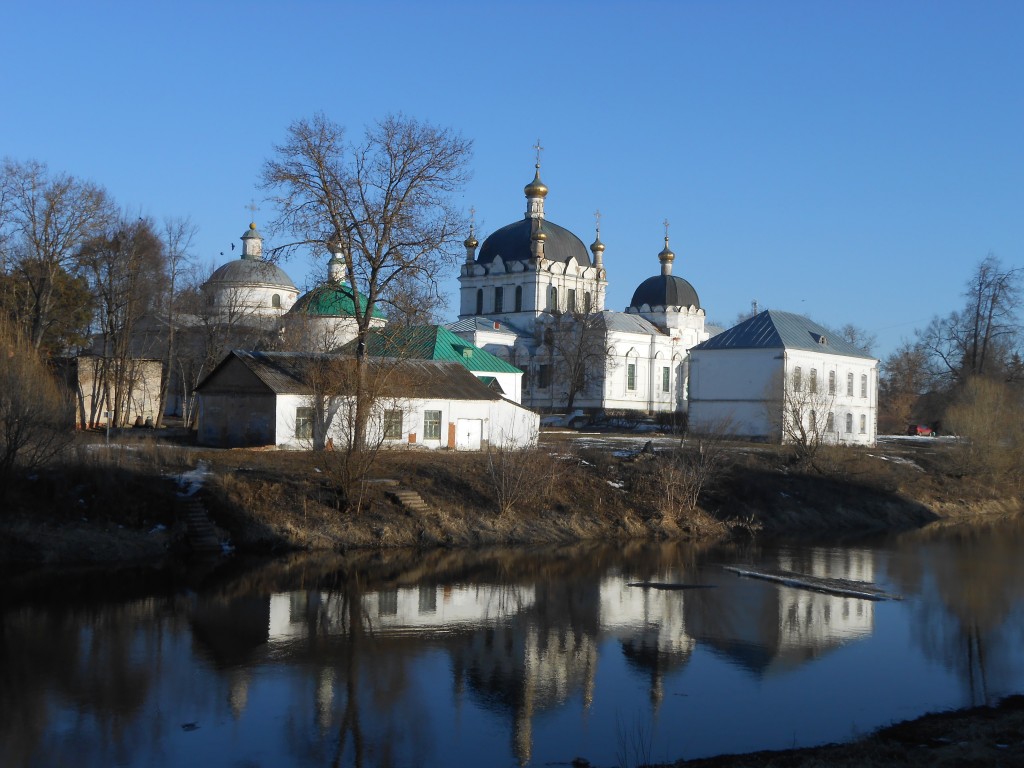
(534, 295)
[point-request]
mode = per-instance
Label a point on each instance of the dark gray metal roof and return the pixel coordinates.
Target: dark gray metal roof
(665, 291)
(772, 329)
(512, 243)
(251, 272)
(629, 323)
(286, 373)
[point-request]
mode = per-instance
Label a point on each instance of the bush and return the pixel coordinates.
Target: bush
(35, 414)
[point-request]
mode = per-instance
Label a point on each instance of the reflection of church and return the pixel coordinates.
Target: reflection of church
(766, 628)
(534, 295)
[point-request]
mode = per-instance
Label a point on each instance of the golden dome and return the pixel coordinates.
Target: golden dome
(597, 246)
(252, 225)
(666, 254)
(470, 242)
(540, 234)
(536, 188)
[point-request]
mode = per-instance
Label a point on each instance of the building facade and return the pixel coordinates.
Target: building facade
(781, 377)
(534, 295)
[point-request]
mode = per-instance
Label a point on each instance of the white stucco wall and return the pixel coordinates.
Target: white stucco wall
(502, 422)
(738, 391)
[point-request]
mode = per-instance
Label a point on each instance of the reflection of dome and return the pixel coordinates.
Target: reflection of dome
(250, 272)
(512, 243)
(331, 300)
(665, 291)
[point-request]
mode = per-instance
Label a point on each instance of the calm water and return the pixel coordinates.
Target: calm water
(503, 658)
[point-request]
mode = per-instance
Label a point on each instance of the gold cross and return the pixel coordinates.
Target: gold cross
(539, 149)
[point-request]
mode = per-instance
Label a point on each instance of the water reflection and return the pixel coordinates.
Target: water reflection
(427, 659)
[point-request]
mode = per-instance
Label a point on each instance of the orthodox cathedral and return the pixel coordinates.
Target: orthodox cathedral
(534, 295)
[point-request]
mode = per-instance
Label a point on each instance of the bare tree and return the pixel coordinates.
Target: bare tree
(574, 345)
(125, 266)
(904, 379)
(49, 218)
(387, 198)
(178, 234)
(800, 410)
(981, 338)
(860, 338)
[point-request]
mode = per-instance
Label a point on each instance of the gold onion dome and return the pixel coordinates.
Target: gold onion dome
(536, 188)
(666, 254)
(540, 234)
(597, 246)
(470, 242)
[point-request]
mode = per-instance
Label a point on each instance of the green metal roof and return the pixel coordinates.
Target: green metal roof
(434, 342)
(331, 300)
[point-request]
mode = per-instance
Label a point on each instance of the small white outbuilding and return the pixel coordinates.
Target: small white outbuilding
(299, 400)
(781, 377)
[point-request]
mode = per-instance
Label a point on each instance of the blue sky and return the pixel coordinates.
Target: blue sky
(848, 160)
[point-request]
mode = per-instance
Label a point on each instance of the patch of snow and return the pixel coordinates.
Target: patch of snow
(615, 484)
(193, 480)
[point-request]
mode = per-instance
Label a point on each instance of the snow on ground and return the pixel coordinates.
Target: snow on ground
(190, 482)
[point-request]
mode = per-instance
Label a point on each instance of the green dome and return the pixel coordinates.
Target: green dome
(331, 300)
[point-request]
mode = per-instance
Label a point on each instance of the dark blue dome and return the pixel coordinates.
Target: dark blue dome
(665, 291)
(512, 243)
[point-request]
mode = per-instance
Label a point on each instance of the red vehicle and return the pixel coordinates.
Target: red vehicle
(920, 429)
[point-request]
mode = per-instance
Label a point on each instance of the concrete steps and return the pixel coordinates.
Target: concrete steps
(409, 499)
(201, 535)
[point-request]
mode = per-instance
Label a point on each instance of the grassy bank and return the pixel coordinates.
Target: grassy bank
(117, 503)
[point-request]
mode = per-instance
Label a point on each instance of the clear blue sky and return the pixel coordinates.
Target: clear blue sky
(849, 160)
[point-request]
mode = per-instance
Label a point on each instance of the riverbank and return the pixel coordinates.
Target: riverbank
(118, 503)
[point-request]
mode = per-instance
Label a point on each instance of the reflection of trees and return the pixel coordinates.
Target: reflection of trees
(94, 663)
(973, 580)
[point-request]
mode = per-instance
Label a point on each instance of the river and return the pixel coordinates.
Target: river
(504, 657)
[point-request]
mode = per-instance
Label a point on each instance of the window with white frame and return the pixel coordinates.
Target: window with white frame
(393, 424)
(831, 382)
(553, 298)
(519, 298)
(849, 385)
(304, 423)
(797, 379)
(631, 377)
(570, 300)
(666, 375)
(812, 421)
(499, 299)
(863, 385)
(814, 380)
(830, 423)
(849, 422)
(431, 425)
(863, 424)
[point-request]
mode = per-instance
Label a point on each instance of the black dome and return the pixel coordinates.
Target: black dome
(665, 291)
(512, 243)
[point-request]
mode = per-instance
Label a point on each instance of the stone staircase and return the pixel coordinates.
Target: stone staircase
(409, 499)
(201, 535)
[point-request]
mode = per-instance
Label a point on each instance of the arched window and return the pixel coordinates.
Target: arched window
(275, 301)
(519, 298)
(553, 298)
(586, 302)
(499, 299)
(479, 301)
